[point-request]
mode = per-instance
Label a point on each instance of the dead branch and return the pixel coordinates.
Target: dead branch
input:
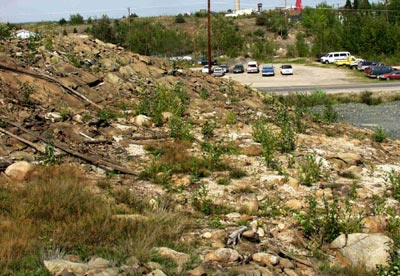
(50, 79)
(297, 259)
(90, 159)
(234, 237)
(29, 143)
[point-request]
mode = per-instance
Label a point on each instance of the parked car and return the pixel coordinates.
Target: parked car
(218, 72)
(375, 71)
(268, 70)
(238, 68)
(252, 67)
(204, 61)
(286, 69)
(225, 67)
(205, 69)
(395, 75)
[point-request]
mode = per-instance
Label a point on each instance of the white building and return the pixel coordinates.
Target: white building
(24, 34)
(241, 12)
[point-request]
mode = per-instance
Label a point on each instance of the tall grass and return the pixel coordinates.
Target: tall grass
(56, 211)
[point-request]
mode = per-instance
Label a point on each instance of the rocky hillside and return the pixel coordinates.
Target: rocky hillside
(266, 191)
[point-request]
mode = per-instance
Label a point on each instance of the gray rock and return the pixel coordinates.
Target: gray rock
(367, 250)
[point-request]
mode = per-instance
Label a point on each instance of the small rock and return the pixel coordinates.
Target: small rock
(294, 204)
(224, 255)
(289, 272)
(286, 263)
(142, 120)
(198, 271)
(98, 263)
(266, 258)
(207, 235)
(156, 272)
(375, 224)
(179, 258)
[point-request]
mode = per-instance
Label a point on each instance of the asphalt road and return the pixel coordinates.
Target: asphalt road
(382, 86)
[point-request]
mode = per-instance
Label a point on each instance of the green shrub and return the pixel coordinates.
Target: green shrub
(366, 98)
(163, 99)
(324, 224)
(393, 178)
(263, 134)
(310, 170)
(179, 129)
(208, 129)
(379, 135)
(180, 18)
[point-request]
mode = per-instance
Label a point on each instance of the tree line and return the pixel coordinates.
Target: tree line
(368, 30)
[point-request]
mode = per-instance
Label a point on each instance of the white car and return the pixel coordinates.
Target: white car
(252, 67)
(205, 69)
(286, 69)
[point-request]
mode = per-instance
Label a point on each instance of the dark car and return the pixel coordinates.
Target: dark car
(395, 75)
(238, 68)
(375, 71)
(204, 61)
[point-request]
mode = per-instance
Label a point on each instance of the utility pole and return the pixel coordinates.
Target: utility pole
(209, 36)
(129, 19)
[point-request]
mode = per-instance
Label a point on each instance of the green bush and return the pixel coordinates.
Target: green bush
(324, 224)
(310, 170)
(208, 129)
(379, 135)
(163, 99)
(263, 134)
(179, 129)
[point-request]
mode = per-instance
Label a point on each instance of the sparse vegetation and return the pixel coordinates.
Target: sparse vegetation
(56, 206)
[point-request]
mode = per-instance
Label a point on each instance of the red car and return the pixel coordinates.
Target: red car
(395, 75)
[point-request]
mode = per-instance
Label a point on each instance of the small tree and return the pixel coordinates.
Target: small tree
(180, 18)
(62, 21)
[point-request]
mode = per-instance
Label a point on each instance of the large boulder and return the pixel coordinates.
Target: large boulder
(361, 249)
(19, 170)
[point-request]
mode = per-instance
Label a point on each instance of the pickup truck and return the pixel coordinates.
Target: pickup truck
(350, 61)
(362, 65)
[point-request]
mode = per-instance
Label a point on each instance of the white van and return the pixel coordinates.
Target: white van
(332, 57)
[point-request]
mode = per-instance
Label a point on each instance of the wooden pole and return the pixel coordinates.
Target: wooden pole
(209, 36)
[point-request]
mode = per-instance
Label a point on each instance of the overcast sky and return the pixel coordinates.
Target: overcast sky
(18, 11)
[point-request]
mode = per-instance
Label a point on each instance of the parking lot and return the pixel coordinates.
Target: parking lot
(303, 75)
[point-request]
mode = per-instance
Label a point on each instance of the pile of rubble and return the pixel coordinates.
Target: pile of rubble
(62, 94)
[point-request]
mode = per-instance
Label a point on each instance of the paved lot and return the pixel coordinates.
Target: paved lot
(304, 75)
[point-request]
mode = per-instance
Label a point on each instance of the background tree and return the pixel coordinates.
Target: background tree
(102, 29)
(76, 19)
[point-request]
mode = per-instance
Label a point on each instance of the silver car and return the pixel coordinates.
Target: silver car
(218, 72)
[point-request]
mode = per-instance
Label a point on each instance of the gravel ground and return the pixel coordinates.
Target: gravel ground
(386, 116)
